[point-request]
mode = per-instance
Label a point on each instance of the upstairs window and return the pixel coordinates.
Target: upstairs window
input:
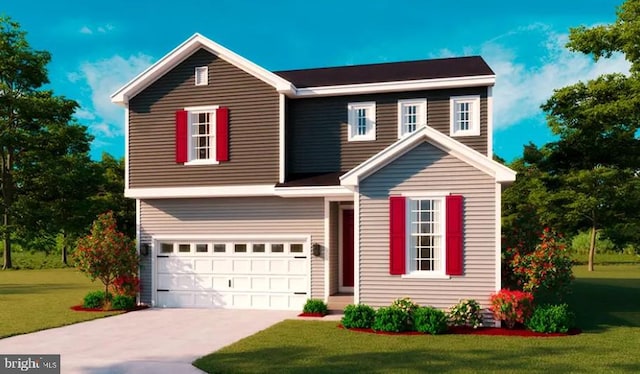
(412, 114)
(202, 135)
(465, 115)
(362, 121)
(202, 76)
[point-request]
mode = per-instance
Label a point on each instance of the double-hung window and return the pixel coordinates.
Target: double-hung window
(412, 114)
(362, 121)
(426, 237)
(465, 115)
(202, 135)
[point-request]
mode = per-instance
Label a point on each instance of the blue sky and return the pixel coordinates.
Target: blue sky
(97, 46)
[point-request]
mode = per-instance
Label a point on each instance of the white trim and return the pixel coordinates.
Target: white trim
(213, 191)
(449, 145)
(181, 53)
(418, 194)
(138, 231)
(126, 147)
(442, 273)
(201, 108)
(396, 86)
(490, 122)
(498, 237)
(421, 115)
(154, 271)
(327, 248)
(233, 237)
(341, 209)
(425, 275)
(281, 137)
(204, 161)
(474, 120)
(313, 191)
(370, 107)
(356, 246)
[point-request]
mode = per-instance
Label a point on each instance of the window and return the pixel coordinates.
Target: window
(240, 248)
(412, 114)
(184, 248)
(277, 248)
(202, 76)
(465, 115)
(166, 248)
(202, 135)
(219, 248)
(426, 221)
(362, 121)
(296, 248)
(426, 235)
(258, 248)
(202, 248)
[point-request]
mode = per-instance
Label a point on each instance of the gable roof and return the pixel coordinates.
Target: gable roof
(181, 53)
(501, 173)
(344, 80)
(388, 72)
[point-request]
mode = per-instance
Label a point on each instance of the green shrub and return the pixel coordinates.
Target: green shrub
(36, 260)
(94, 300)
(315, 306)
(551, 318)
(123, 302)
(391, 319)
(430, 320)
(358, 316)
(466, 313)
(581, 243)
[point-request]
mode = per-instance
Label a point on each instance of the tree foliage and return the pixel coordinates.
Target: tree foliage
(106, 254)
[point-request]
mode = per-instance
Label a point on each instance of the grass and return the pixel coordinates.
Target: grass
(607, 258)
(32, 300)
(607, 306)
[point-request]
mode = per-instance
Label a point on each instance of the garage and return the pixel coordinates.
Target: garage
(235, 273)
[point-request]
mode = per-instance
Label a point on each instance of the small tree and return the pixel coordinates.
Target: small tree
(106, 254)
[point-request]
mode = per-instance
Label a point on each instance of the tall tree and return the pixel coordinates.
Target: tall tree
(110, 195)
(30, 117)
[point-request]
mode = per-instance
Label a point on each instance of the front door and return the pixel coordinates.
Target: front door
(346, 256)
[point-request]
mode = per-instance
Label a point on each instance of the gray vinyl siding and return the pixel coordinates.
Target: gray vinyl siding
(229, 216)
(427, 168)
(317, 129)
(253, 127)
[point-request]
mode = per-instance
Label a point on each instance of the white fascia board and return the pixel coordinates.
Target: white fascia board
(313, 191)
(381, 87)
(186, 192)
(182, 52)
(501, 173)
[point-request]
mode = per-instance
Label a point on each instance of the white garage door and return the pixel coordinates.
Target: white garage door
(258, 274)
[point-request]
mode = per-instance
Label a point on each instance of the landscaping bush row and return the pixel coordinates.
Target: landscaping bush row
(511, 307)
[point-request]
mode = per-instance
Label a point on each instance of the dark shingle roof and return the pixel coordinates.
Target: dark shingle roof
(388, 72)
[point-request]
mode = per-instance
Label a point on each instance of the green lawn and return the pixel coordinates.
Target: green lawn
(32, 300)
(607, 303)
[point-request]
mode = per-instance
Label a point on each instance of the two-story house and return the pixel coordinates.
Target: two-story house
(260, 189)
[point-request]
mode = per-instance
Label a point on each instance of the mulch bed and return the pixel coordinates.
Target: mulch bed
(317, 315)
(490, 331)
(80, 308)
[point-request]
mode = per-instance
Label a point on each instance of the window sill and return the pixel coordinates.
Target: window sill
(465, 133)
(201, 162)
(425, 275)
(362, 139)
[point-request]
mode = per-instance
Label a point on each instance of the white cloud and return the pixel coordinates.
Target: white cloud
(103, 78)
(100, 29)
(86, 30)
(522, 87)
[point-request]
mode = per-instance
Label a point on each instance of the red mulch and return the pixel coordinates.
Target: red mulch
(320, 315)
(80, 308)
(491, 331)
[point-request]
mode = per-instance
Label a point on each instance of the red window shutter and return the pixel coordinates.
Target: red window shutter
(182, 124)
(222, 134)
(454, 230)
(397, 235)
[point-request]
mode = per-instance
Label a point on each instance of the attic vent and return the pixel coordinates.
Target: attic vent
(202, 76)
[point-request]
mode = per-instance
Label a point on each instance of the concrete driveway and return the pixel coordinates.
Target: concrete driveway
(146, 341)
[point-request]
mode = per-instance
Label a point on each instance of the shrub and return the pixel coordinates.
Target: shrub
(123, 302)
(551, 318)
(94, 300)
(126, 285)
(545, 271)
(582, 241)
(358, 316)
(430, 320)
(391, 319)
(512, 306)
(106, 254)
(407, 305)
(466, 313)
(315, 306)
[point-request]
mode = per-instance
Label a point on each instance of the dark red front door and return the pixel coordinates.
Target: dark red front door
(347, 248)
